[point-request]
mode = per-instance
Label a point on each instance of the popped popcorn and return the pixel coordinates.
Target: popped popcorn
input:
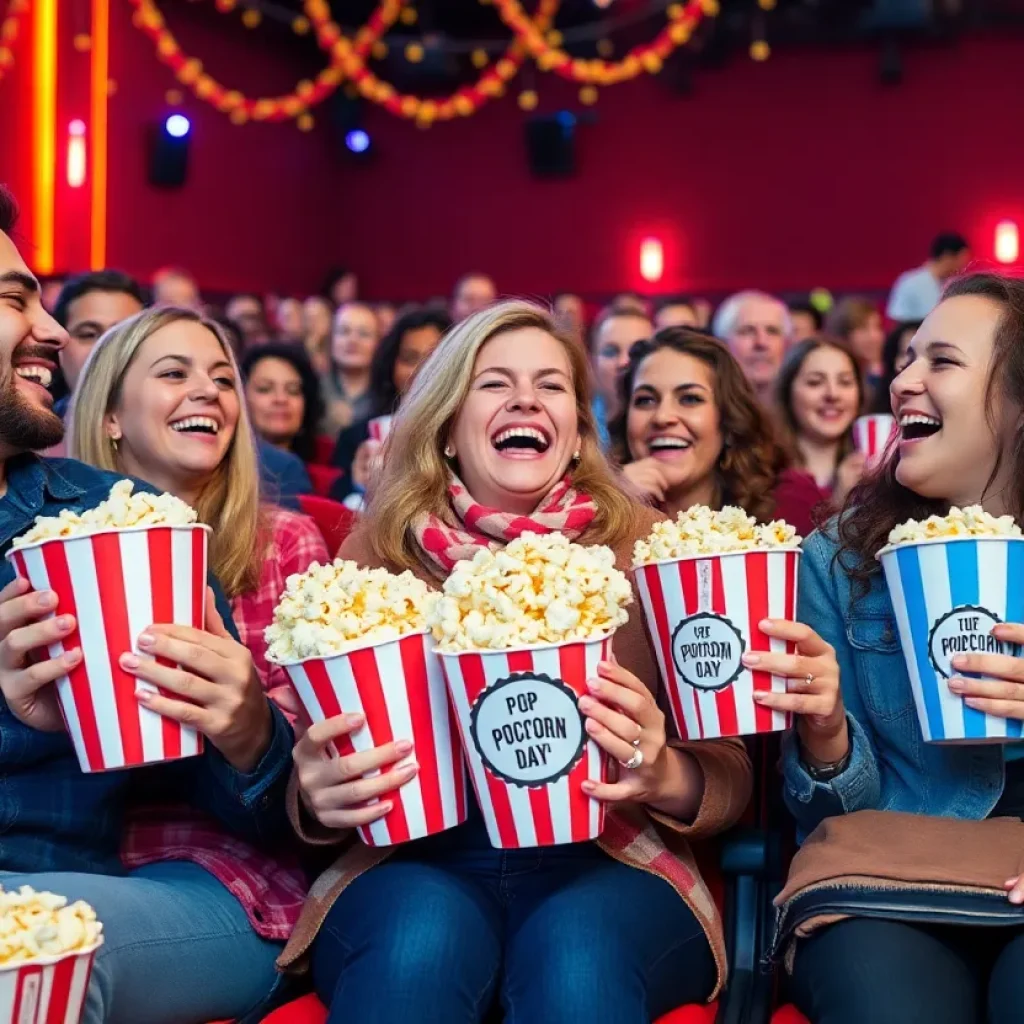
(972, 521)
(34, 925)
(330, 608)
(121, 510)
(537, 589)
(702, 531)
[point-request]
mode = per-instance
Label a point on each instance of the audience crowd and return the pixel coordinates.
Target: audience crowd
(275, 417)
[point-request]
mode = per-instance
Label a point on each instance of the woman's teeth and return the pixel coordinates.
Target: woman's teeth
(666, 443)
(915, 426)
(40, 374)
(203, 424)
(521, 437)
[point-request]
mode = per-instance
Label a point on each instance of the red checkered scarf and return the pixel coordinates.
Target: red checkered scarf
(562, 510)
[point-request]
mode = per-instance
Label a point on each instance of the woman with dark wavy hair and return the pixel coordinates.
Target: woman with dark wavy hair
(692, 432)
(960, 403)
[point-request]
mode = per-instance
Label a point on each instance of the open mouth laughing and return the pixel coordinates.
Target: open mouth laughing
(917, 426)
(521, 441)
(202, 426)
(668, 446)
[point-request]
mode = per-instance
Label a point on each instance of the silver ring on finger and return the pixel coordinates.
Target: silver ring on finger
(636, 742)
(809, 679)
(635, 761)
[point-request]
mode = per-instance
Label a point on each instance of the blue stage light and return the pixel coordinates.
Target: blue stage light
(177, 126)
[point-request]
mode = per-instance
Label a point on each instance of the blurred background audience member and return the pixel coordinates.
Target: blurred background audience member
(317, 324)
(283, 395)
(820, 392)
(894, 361)
(386, 316)
(288, 320)
(173, 286)
(806, 321)
(757, 329)
(346, 386)
(473, 291)
(917, 292)
(571, 313)
(413, 337)
(341, 286)
(247, 311)
(857, 322)
(614, 333)
(675, 311)
(88, 306)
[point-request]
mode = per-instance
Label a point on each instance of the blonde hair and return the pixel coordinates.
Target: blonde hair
(229, 502)
(414, 478)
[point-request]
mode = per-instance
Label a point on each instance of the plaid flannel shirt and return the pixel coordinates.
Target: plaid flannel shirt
(271, 889)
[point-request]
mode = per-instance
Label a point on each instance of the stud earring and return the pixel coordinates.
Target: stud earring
(113, 443)
(449, 452)
(576, 455)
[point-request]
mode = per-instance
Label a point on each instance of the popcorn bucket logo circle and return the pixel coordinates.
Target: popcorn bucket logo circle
(706, 650)
(528, 729)
(967, 629)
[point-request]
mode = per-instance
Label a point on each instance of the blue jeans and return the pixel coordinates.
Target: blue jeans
(563, 934)
(178, 947)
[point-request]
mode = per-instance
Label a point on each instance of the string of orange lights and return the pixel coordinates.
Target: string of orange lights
(189, 71)
(461, 103)
(10, 32)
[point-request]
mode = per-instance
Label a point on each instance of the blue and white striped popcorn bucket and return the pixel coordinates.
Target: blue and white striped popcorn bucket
(948, 594)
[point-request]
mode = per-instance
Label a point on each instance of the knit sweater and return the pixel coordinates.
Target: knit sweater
(635, 835)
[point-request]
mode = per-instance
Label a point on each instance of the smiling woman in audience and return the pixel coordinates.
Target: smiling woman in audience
(283, 396)
(692, 432)
(346, 386)
(819, 394)
(402, 350)
(495, 434)
(161, 400)
(960, 399)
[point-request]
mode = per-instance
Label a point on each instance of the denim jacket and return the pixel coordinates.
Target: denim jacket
(54, 817)
(891, 767)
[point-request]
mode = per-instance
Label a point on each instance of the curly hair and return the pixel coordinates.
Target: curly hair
(304, 442)
(881, 502)
(382, 367)
(751, 458)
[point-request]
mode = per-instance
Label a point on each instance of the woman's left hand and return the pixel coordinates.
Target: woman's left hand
(219, 690)
(1002, 694)
(623, 719)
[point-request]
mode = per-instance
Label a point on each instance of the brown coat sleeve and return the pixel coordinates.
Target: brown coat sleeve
(728, 779)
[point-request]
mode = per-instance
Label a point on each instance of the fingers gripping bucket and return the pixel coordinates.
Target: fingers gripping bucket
(703, 613)
(398, 686)
(116, 583)
(525, 741)
(947, 595)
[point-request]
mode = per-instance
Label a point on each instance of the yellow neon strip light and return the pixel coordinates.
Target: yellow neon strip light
(44, 129)
(100, 74)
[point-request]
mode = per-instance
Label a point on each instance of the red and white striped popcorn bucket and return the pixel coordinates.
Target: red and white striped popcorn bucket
(116, 583)
(703, 613)
(379, 428)
(50, 990)
(872, 434)
(523, 734)
(398, 686)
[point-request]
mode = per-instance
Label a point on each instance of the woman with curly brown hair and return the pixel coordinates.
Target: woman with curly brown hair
(692, 432)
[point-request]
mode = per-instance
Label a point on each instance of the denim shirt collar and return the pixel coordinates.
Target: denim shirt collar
(31, 483)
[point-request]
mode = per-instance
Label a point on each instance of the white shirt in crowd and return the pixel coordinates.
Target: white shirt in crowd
(914, 295)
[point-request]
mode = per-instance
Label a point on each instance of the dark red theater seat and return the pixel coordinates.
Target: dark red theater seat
(323, 449)
(789, 1015)
(333, 519)
(308, 1010)
(322, 477)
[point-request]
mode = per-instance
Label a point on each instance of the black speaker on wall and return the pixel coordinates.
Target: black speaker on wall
(551, 145)
(168, 146)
